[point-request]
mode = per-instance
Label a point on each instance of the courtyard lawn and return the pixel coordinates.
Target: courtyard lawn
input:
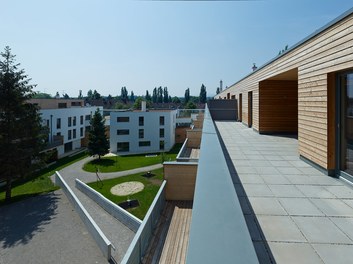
(122, 163)
(145, 197)
(40, 181)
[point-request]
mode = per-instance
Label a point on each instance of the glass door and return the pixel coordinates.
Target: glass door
(345, 124)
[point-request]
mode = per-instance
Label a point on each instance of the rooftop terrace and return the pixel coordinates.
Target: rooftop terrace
(295, 213)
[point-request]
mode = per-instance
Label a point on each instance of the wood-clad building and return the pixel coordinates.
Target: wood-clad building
(306, 90)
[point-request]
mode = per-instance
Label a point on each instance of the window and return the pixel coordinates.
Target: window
(123, 146)
(141, 121)
(88, 117)
(161, 120)
(62, 105)
(47, 122)
(58, 134)
(161, 132)
(123, 119)
(74, 121)
(74, 133)
(69, 134)
(123, 132)
(81, 120)
(141, 133)
(75, 103)
(58, 123)
(145, 143)
(69, 121)
(161, 145)
(81, 132)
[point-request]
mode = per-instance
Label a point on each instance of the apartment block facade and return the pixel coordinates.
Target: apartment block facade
(67, 121)
(134, 132)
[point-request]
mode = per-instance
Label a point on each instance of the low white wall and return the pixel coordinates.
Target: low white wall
(97, 234)
(140, 243)
(116, 211)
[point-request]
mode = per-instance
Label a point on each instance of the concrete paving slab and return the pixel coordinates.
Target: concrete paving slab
(267, 170)
(257, 190)
(251, 178)
(334, 254)
(324, 180)
(345, 224)
(254, 157)
(289, 170)
(274, 179)
(311, 191)
(300, 206)
(294, 253)
(341, 191)
(280, 163)
(248, 170)
(333, 207)
(285, 191)
(348, 202)
(260, 163)
(311, 171)
(266, 206)
(273, 157)
(299, 164)
(280, 228)
(320, 230)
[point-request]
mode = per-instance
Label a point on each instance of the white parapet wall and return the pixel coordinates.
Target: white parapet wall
(143, 236)
(116, 211)
(104, 244)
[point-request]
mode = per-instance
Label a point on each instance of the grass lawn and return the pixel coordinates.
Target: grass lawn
(40, 182)
(145, 197)
(121, 163)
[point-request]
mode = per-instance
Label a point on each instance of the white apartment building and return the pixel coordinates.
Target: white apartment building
(135, 132)
(67, 121)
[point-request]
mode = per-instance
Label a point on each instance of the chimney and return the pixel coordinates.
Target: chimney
(143, 106)
(254, 68)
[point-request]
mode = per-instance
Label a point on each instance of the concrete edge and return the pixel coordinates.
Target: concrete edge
(116, 211)
(136, 244)
(103, 243)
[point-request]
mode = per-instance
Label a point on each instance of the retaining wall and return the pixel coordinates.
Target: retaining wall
(116, 211)
(97, 234)
(143, 236)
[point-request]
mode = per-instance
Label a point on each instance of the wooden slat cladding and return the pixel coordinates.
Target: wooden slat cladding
(278, 106)
(328, 52)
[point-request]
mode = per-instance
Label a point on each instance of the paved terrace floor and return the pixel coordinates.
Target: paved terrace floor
(291, 208)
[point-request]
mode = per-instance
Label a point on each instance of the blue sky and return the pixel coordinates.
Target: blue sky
(67, 46)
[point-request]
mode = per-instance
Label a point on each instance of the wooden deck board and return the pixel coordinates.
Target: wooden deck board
(170, 241)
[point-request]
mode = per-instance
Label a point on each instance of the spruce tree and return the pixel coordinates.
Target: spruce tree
(21, 137)
(97, 139)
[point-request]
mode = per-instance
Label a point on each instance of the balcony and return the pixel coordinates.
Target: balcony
(57, 141)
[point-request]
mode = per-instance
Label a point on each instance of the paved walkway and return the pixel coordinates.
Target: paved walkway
(120, 235)
(291, 208)
(45, 229)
